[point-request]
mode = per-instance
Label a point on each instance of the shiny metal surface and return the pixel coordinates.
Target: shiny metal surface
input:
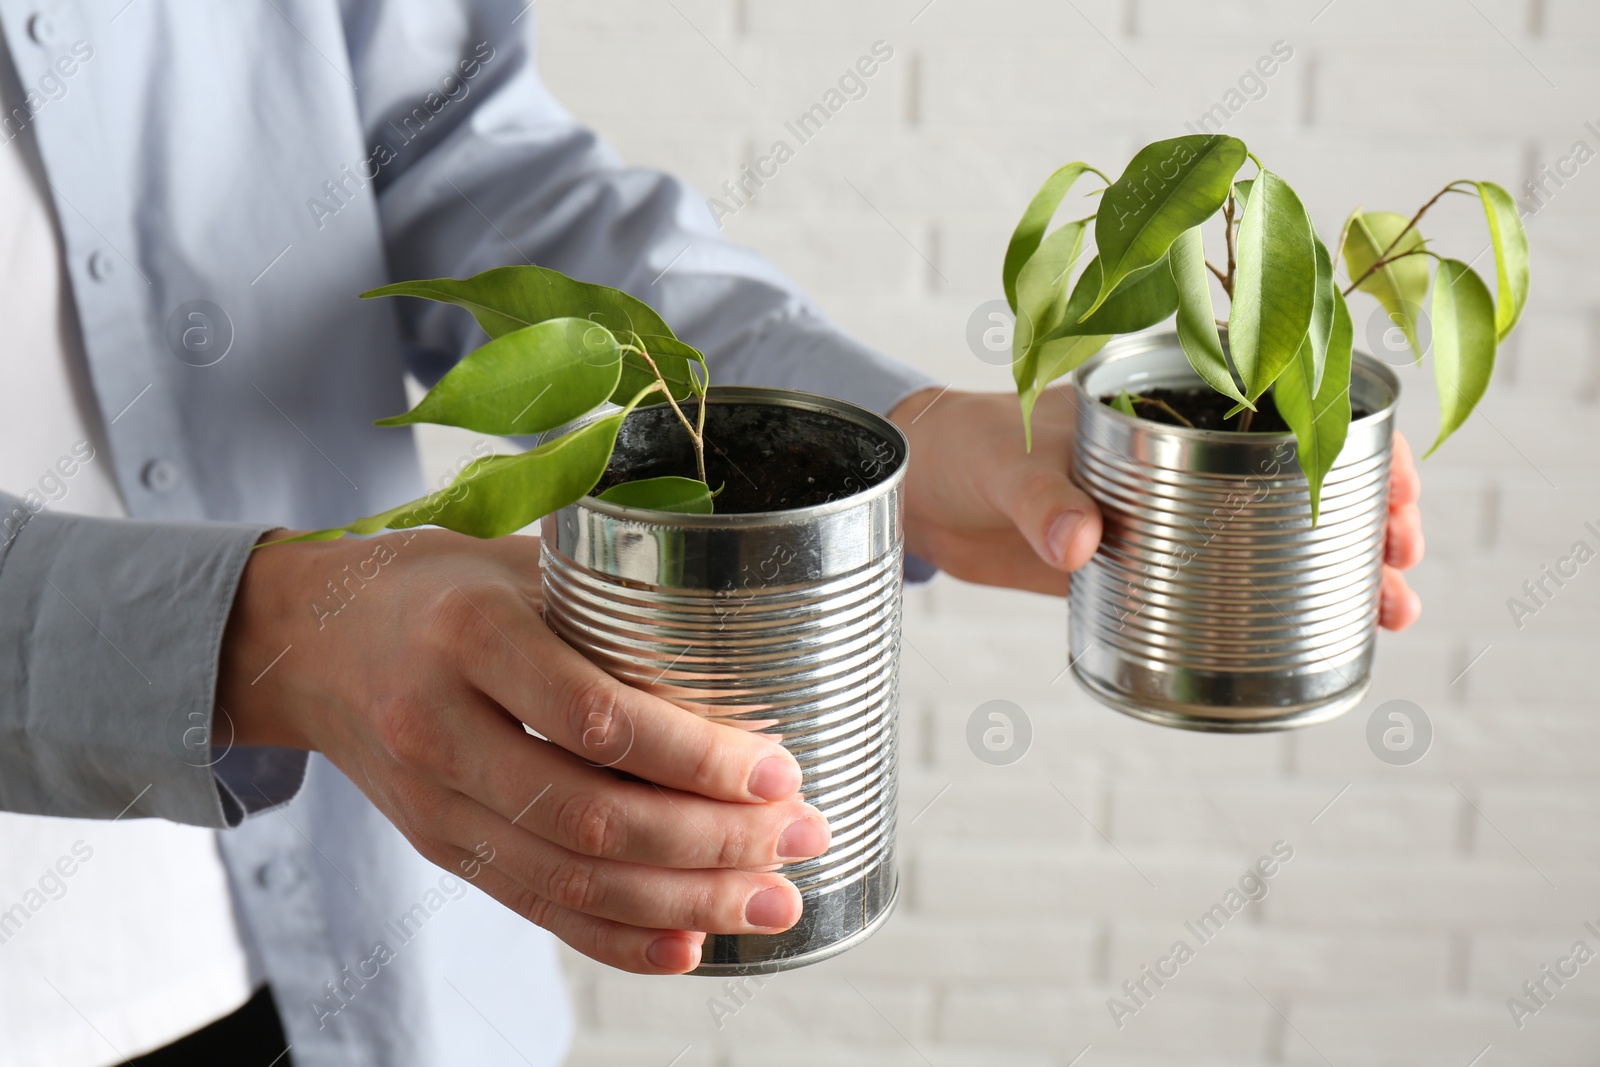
(1212, 603)
(783, 622)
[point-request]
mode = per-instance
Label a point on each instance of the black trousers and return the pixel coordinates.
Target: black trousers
(250, 1037)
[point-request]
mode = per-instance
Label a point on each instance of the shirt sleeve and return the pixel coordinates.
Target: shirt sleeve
(110, 636)
(495, 171)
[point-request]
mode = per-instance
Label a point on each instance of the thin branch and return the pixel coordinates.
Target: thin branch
(630, 350)
(695, 437)
(1245, 418)
(1381, 263)
(1227, 218)
(1414, 252)
(1163, 406)
(1221, 275)
(1381, 260)
(700, 434)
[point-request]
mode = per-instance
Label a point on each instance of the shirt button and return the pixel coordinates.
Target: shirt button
(159, 476)
(278, 875)
(42, 28)
(100, 265)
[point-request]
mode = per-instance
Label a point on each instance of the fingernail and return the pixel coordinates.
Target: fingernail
(803, 839)
(770, 908)
(774, 778)
(1062, 530)
(668, 954)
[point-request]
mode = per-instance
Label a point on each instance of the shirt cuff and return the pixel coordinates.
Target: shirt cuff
(110, 638)
(803, 350)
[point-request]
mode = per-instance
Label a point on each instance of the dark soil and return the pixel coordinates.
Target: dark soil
(1204, 408)
(766, 457)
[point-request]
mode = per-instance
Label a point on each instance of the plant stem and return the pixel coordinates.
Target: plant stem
(1245, 418)
(1227, 221)
(700, 431)
(1382, 260)
(696, 434)
(1165, 407)
(1386, 260)
(1410, 252)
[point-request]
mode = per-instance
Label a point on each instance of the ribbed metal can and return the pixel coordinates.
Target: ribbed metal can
(1213, 603)
(781, 622)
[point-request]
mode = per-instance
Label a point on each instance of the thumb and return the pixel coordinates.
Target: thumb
(1057, 518)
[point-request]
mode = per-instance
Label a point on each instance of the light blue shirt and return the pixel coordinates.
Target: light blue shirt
(257, 165)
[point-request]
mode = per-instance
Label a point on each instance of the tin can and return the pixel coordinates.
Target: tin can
(1213, 603)
(781, 622)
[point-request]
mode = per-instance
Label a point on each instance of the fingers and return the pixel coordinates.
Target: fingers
(1398, 606)
(1405, 543)
(1404, 547)
(593, 812)
(526, 669)
(714, 901)
(627, 948)
(1405, 484)
(1057, 519)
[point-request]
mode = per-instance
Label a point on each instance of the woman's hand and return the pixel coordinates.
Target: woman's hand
(984, 509)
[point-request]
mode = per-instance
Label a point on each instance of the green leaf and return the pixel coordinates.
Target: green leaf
(1123, 402)
(1311, 359)
(1197, 320)
(1169, 187)
(526, 381)
(1049, 361)
(1322, 312)
(1399, 285)
(1510, 256)
(1144, 298)
(1041, 296)
(499, 495)
(1041, 287)
(669, 493)
(1464, 341)
(1319, 417)
(1025, 239)
(511, 298)
(1065, 355)
(1275, 285)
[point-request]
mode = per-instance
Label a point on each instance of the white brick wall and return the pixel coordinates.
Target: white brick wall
(1425, 895)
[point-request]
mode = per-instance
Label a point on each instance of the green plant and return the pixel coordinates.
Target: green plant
(1289, 327)
(558, 349)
